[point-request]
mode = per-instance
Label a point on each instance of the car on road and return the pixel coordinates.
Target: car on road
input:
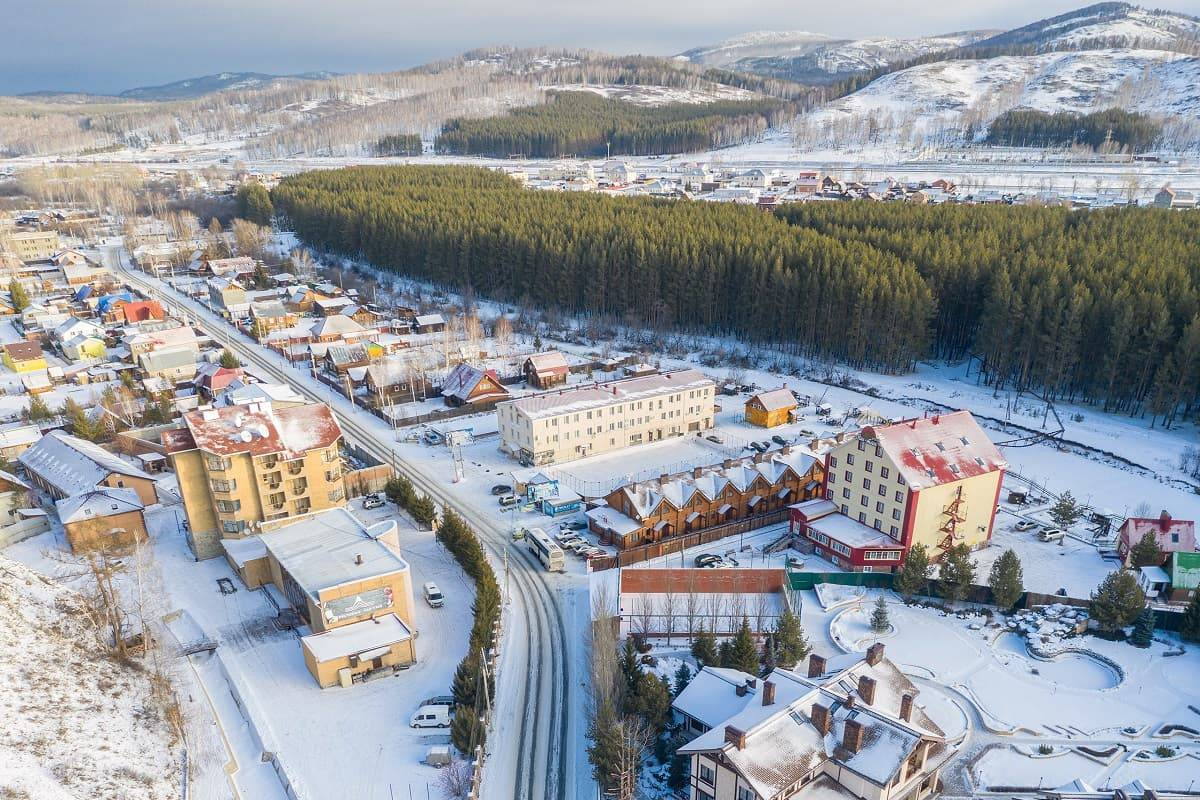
(501, 488)
(779, 440)
(706, 560)
(433, 595)
(712, 437)
(507, 500)
(1024, 525)
(518, 534)
(372, 501)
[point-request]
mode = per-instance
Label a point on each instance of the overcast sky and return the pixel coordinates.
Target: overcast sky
(105, 46)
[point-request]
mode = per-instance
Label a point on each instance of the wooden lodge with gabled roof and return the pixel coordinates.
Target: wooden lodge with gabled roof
(738, 490)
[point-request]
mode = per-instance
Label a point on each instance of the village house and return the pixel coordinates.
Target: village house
(933, 481)
(228, 267)
(20, 516)
(17, 439)
(24, 356)
(141, 340)
(301, 298)
(269, 316)
(1171, 535)
(849, 728)
(546, 370)
(228, 298)
(429, 323)
(467, 385)
(341, 358)
(572, 423)
(242, 465)
(338, 328)
(770, 409)
(102, 519)
(212, 378)
(172, 364)
(1168, 197)
(66, 466)
(755, 491)
(131, 313)
(346, 581)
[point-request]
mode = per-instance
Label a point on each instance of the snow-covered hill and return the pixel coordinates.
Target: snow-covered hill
(816, 58)
(1106, 25)
(943, 101)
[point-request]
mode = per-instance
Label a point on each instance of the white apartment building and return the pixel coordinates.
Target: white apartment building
(600, 418)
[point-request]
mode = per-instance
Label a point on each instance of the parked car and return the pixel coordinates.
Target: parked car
(757, 447)
(1024, 525)
(501, 488)
(431, 716)
(779, 440)
(372, 501)
(433, 595)
(712, 437)
(706, 559)
(518, 534)
(766, 445)
(507, 501)
(795, 562)
(807, 432)
(1051, 534)
(577, 525)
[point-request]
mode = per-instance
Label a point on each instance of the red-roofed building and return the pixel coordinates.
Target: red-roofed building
(933, 481)
(243, 465)
(212, 379)
(1172, 535)
(141, 311)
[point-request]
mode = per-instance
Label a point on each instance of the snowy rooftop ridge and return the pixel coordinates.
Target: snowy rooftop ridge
(567, 401)
(72, 465)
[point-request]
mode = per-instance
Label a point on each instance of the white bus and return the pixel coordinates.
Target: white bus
(549, 553)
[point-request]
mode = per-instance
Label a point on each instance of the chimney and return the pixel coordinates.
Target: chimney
(906, 706)
(768, 693)
(875, 653)
(1164, 520)
(852, 735)
(751, 683)
(820, 718)
(697, 472)
(839, 437)
(663, 479)
(735, 737)
(786, 449)
(851, 702)
(936, 418)
(816, 666)
(727, 463)
(741, 690)
(866, 689)
(358, 559)
(758, 457)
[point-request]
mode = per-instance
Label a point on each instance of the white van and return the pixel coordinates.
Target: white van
(431, 717)
(433, 595)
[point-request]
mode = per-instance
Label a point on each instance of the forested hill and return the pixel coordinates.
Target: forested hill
(580, 123)
(1096, 306)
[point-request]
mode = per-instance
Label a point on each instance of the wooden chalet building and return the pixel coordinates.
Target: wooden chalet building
(467, 385)
(546, 370)
(755, 489)
(770, 409)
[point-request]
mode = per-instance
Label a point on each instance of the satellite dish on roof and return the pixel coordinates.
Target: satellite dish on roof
(245, 436)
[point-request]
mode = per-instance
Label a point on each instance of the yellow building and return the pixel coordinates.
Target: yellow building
(769, 409)
(33, 245)
(932, 481)
(242, 466)
(347, 582)
(24, 357)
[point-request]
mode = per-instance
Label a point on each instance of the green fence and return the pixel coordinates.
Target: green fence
(801, 581)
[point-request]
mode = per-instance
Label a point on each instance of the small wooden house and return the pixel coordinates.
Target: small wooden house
(770, 409)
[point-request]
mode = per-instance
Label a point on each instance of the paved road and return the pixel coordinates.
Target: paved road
(528, 762)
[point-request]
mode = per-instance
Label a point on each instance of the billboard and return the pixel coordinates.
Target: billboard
(357, 605)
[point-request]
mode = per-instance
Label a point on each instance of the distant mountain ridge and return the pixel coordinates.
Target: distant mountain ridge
(190, 88)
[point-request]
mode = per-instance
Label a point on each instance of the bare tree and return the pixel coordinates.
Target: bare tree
(454, 779)
(502, 334)
(692, 605)
(667, 608)
(643, 615)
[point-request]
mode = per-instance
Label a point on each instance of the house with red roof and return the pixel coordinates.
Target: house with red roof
(933, 481)
(1172, 535)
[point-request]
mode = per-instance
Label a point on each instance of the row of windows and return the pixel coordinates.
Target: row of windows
(877, 524)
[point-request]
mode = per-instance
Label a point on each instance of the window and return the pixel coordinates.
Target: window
(862, 501)
(899, 497)
(893, 531)
(878, 509)
(703, 795)
(1174, 538)
(846, 492)
(861, 445)
(869, 466)
(849, 476)
(849, 458)
(746, 794)
(224, 486)
(233, 526)
(878, 524)
(882, 490)
(884, 472)
(217, 463)
(833, 461)
(229, 506)
(706, 773)
(862, 517)
(896, 514)
(867, 484)
(832, 477)
(900, 479)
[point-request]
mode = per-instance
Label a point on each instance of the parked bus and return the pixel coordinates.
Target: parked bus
(549, 553)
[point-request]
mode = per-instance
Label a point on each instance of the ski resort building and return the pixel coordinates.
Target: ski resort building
(849, 728)
(600, 418)
(932, 481)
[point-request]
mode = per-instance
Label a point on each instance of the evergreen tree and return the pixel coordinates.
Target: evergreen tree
(743, 653)
(466, 680)
(683, 676)
(18, 295)
(254, 203)
(677, 777)
(1189, 628)
(879, 617)
(466, 728)
(229, 360)
(1117, 601)
(1006, 580)
(423, 509)
(956, 573)
(1066, 511)
(914, 573)
(1143, 628)
(652, 701)
(725, 654)
(704, 648)
(631, 670)
(79, 423)
(791, 646)
(1146, 553)
(38, 411)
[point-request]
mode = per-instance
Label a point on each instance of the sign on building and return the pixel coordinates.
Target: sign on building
(357, 605)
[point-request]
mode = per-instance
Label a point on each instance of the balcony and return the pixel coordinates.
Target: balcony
(303, 506)
(300, 486)
(296, 468)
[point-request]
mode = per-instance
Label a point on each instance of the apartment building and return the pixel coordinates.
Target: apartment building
(240, 466)
(33, 245)
(600, 418)
(932, 481)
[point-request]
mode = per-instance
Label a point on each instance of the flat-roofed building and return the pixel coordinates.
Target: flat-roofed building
(33, 245)
(600, 418)
(240, 466)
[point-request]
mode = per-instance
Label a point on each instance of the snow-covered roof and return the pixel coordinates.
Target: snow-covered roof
(775, 399)
(462, 381)
(940, 449)
(22, 434)
(851, 532)
(336, 325)
(104, 502)
(331, 548)
(239, 393)
(423, 320)
(550, 361)
(568, 401)
(73, 465)
(257, 428)
(711, 696)
(356, 638)
(613, 520)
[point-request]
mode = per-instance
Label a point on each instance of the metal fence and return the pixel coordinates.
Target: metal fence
(646, 552)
